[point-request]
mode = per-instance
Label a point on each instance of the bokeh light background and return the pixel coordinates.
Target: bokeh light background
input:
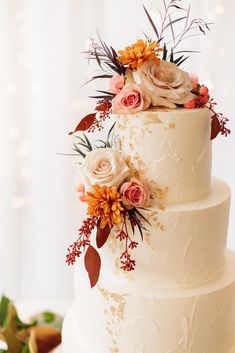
(41, 71)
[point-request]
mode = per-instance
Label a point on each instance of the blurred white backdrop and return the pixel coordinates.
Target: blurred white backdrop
(41, 71)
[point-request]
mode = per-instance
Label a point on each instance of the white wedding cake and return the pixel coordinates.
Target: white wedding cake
(181, 297)
(156, 218)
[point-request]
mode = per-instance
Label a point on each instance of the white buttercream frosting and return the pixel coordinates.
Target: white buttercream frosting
(120, 317)
(181, 297)
(169, 148)
(183, 247)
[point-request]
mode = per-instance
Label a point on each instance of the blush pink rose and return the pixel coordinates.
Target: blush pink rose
(135, 193)
(131, 99)
(194, 80)
(116, 84)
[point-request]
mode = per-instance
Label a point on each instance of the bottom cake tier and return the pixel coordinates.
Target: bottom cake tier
(116, 317)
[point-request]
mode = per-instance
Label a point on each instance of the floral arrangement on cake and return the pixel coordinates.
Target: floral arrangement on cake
(142, 76)
(147, 74)
(115, 198)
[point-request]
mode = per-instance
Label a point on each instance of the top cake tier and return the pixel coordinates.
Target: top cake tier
(169, 149)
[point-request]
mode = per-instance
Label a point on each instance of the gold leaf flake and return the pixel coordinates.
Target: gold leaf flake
(161, 193)
(152, 119)
(162, 207)
(109, 331)
(147, 237)
(113, 310)
(161, 226)
(104, 292)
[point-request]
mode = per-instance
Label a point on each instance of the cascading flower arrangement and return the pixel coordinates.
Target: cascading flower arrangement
(147, 74)
(115, 200)
(142, 76)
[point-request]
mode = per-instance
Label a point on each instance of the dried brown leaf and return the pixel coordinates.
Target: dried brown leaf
(85, 123)
(102, 235)
(92, 263)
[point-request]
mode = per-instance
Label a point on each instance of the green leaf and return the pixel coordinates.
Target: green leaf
(48, 318)
(22, 325)
(3, 310)
(9, 331)
(25, 349)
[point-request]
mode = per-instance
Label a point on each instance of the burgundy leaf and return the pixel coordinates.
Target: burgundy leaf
(215, 127)
(102, 235)
(92, 263)
(85, 123)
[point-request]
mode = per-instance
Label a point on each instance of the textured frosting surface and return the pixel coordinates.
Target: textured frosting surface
(169, 149)
(181, 297)
(122, 318)
(183, 247)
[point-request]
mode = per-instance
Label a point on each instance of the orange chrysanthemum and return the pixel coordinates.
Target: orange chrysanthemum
(105, 203)
(137, 53)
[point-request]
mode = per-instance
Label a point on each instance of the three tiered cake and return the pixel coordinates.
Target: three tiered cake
(166, 283)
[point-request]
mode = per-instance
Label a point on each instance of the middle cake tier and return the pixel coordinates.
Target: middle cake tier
(183, 247)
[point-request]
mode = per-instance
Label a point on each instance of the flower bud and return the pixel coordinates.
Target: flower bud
(204, 91)
(190, 105)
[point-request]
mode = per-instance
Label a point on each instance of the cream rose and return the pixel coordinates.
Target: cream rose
(104, 166)
(167, 84)
(131, 99)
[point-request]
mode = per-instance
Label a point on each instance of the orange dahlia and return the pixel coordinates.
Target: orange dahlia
(137, 53)
(105, 203)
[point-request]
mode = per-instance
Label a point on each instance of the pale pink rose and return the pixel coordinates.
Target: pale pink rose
(116, 84)
(194, 80)
(166, 84)
(131, 99)
(135, 193)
